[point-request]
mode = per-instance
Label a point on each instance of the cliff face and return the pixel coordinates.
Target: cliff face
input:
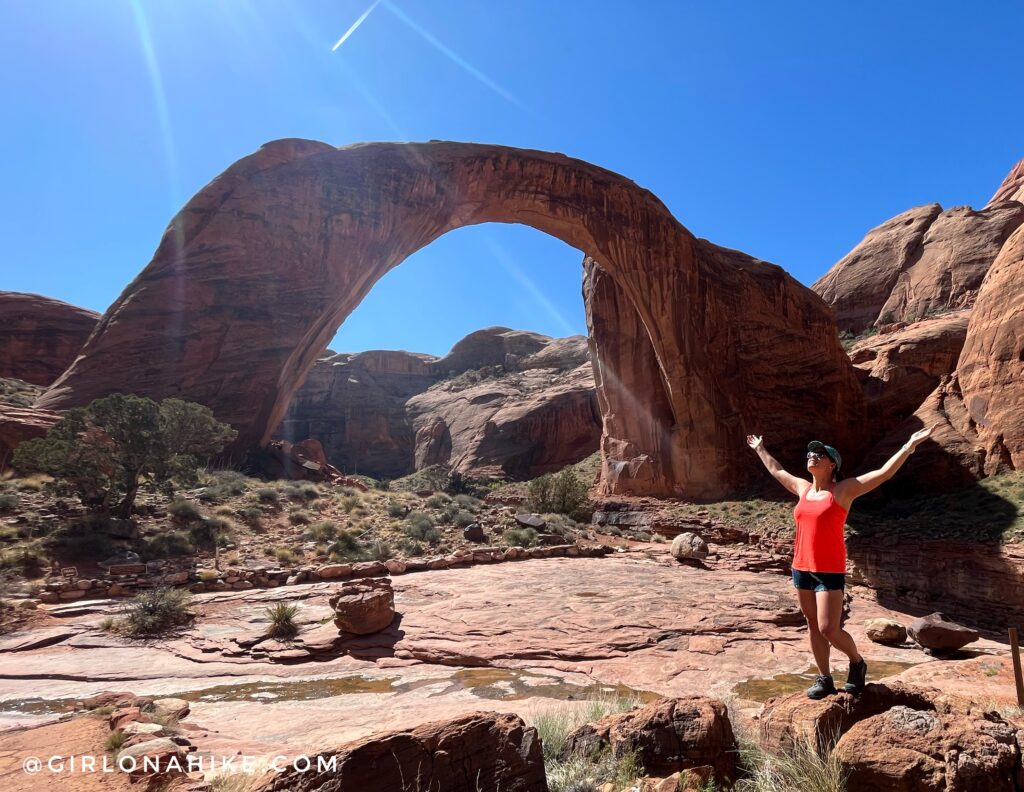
(40, 336)
(921, 261)
(501, 403)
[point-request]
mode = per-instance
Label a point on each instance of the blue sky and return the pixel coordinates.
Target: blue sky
(786, 130)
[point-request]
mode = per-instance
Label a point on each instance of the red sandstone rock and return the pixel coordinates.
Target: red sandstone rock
(669, 735)
(18, 424)
(916, 750)
(901, 368)
(1012, 188)
(253, 277)
(939, 633)
(979, 410)
(858, 285)
(40, 336)
(924, 259)
(364, 606)
(481, 750)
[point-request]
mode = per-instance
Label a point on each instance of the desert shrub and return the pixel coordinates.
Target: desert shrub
(463, 518)
(563, 493)
(155, 611)
(208, 575)
(349, 502)
(438, 500)
(520, 537)
(9, 501)
(409, 547)
(105, 449)
(468, 501)
(115, 741)
(282, 620)
(252, 514)
(322, 531)
(423, 530)
(299, 517)
(285, 555)
(166, 543)
(395, 509)
(347, 547)
(381, 551)
(212, 532)
(268, 495)
(457, 483)
(29, 559)
(310, 492)
(184, 510)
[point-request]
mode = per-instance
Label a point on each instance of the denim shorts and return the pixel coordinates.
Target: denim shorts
(819, 581)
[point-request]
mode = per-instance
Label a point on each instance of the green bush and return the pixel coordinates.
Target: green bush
(9, 502)
(396, 509)
(299, 518)
(562, 493)
(520, 537)
(323, 531)
(347, 547)
(167, 543)
(282, 620)
(463, 518)
(104, 450)
(155, 611)
(349, 502)
(285, 555)
(438, 501)
(252, 514)
(185, 510)
(268, 495)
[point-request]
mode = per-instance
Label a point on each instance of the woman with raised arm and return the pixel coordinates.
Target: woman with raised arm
(819, 551)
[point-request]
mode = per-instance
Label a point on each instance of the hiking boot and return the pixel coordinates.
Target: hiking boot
(855, 679)
(823, 686)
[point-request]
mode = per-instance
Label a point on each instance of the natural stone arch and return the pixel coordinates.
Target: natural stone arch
(253, 277)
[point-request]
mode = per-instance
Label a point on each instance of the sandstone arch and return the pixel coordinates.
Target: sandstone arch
(255, 274)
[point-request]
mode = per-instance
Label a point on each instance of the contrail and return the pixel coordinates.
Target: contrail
(454, 56)
(356, 24)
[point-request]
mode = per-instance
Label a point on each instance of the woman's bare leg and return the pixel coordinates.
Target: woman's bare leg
(830, 611)
(819, 643)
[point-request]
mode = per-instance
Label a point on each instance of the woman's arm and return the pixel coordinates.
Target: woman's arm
(790, 482)
(858, 485)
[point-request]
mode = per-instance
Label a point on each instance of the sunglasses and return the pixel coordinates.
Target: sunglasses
(816, 455)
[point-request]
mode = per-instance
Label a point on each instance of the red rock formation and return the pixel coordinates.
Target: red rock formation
(956, 252)
(979, 410)
(39, 336)
(666, 736)
(254, 276)
(531, 417)
(1012, 188)
(18, 424)
(899, 369)
(858, 285)
(481, 750)
(354, 404)
(379, 412)
(922, 260)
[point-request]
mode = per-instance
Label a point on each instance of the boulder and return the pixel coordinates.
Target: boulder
(175, 708)
(473, 533)
(885, 631)
(477, 751)
(667, 736)
(688, 546)
(364, 606)
(530, 520)
(937, 633)
(331, 571)
(914, 750)
(153, 757)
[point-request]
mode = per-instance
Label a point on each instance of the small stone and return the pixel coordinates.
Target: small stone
(885, 631)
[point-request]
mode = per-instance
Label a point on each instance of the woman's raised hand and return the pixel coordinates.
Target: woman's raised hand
(755, 442)
(921, 435)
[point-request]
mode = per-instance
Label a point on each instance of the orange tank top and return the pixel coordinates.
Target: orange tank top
(820, 545)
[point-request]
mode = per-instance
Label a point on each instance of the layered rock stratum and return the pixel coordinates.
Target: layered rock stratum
(40, 336)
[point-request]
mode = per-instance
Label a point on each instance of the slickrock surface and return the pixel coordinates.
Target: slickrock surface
(40, 336)
(253, 277)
